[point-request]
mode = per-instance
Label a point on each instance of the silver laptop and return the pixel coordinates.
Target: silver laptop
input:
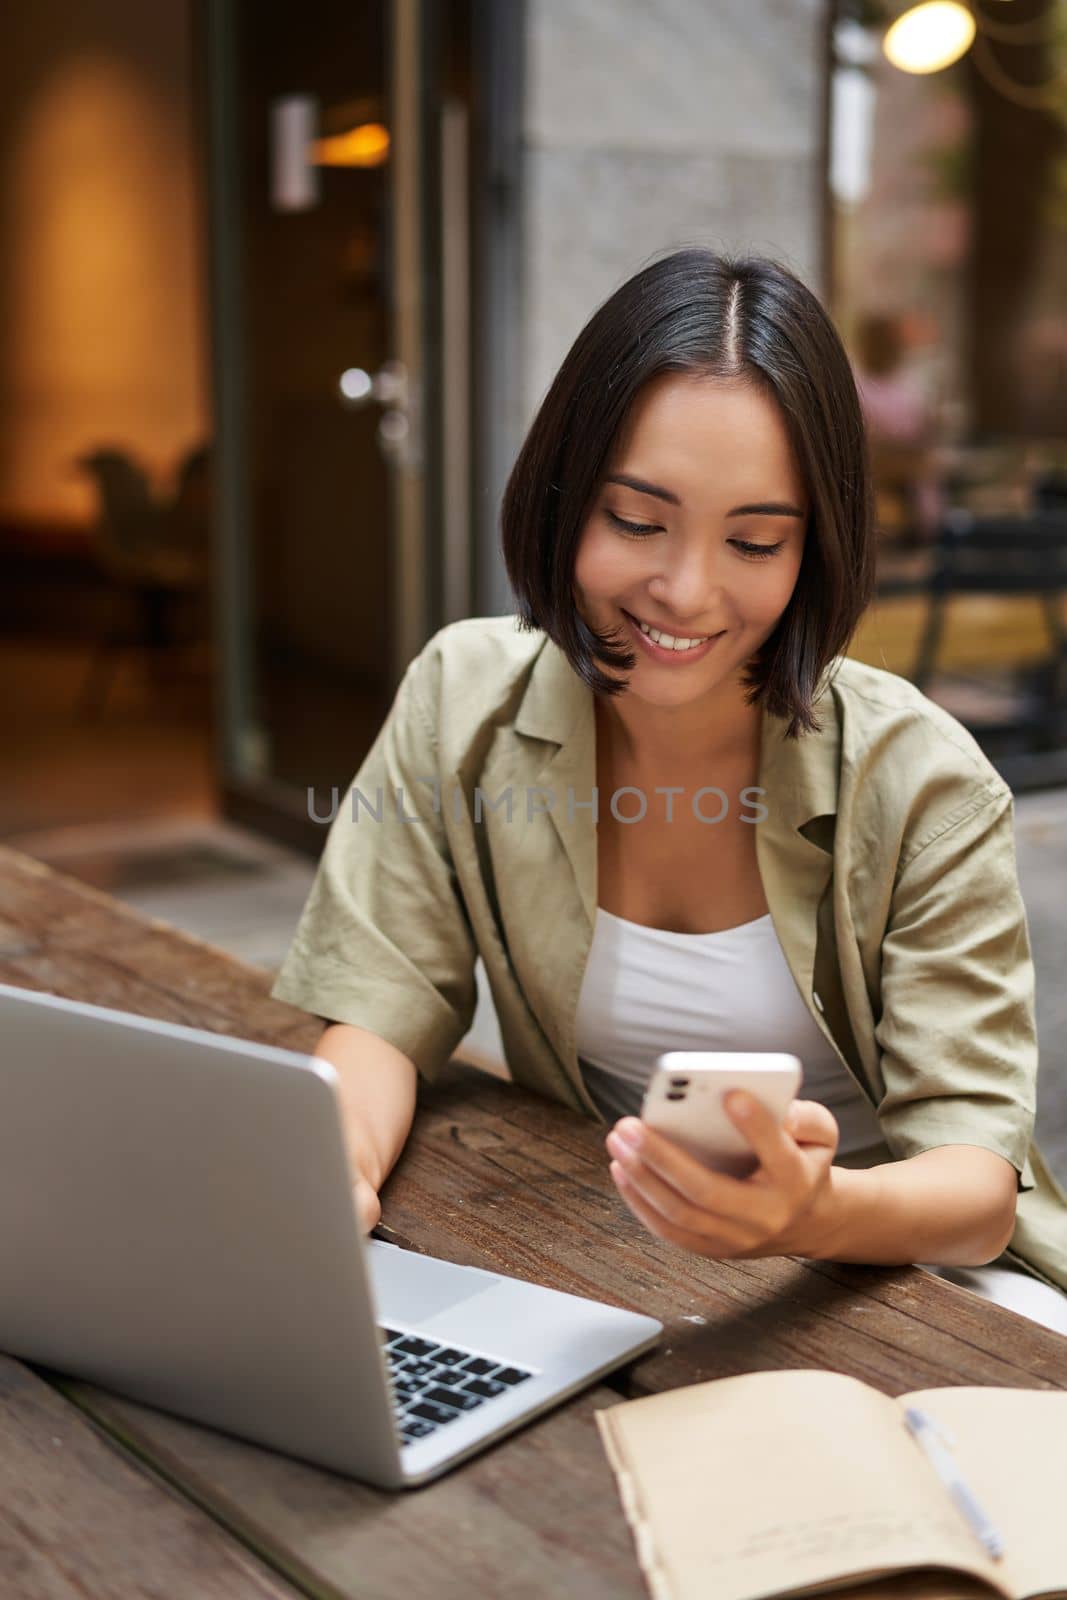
(177, 1224)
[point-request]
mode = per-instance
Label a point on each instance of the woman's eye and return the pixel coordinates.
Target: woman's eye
(757, 552)
(638, 529)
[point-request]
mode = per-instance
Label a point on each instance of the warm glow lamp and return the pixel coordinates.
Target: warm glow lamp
(364, 146)
(930, 37)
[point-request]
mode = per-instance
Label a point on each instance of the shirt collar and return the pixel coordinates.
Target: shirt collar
(799, 776)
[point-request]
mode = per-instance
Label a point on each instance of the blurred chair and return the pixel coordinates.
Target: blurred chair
(903, 482)
(1003, 556)
(156, 556)
(1050, 491)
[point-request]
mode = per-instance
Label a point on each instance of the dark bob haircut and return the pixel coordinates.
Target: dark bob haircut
(743, 318)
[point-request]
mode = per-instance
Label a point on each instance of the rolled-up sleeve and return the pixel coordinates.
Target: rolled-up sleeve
(384, 941)
(957, 1030)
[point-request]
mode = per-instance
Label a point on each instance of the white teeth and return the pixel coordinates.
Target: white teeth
(667, 641)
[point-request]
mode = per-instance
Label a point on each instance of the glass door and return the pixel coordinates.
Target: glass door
(324, 154)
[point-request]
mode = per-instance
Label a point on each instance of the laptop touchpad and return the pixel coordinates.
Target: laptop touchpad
(413, 1288)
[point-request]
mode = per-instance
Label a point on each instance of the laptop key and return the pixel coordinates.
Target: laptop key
(408, 1386)
(486, 1387)
(449, 1357)
(431, 1412)
(389, 1334)
(416, 1429)
(414, 1369)
(478, 1366)
(454, 1397)
(510, 1375)
(448, 1375)
(411, 1346)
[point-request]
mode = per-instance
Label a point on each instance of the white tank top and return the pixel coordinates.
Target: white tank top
(647, 990)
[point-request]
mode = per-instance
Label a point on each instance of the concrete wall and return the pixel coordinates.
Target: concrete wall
(649, 126)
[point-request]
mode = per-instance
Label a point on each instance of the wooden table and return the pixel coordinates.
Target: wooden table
(146, 1504)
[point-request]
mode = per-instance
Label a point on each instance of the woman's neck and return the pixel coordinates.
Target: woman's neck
(694, 738)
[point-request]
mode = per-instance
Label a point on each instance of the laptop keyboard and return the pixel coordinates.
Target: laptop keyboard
(433, 1384)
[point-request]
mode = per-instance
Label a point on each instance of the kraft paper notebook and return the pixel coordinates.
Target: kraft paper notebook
(809, 1481)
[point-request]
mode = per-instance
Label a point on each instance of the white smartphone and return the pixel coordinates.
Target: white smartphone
(684, 1101)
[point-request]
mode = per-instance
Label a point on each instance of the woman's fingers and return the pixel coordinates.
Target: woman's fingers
(808, 1122)
(368, 1206)
(712, 1191)
(642, 1182)
(739, 1207)
(680, 1199)
(663, 1228)
(781, 1162)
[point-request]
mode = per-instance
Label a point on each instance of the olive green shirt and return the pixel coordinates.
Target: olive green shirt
(886, 853)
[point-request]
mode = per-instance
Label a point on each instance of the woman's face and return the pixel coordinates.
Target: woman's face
(697, 529)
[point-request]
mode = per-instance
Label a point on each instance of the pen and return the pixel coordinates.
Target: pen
(926, 1432)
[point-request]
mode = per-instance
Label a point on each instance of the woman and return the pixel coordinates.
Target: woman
(667, 812)
(901, 426)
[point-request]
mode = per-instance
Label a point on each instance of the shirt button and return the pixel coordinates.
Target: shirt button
(818, 1000)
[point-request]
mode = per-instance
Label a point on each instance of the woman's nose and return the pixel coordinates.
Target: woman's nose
(690, 585)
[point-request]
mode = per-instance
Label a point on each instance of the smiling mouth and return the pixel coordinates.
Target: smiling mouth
(656, 632)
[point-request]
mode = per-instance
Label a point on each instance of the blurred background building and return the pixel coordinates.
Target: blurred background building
(281, 289)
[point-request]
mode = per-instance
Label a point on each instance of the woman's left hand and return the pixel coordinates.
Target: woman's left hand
(786, 1207)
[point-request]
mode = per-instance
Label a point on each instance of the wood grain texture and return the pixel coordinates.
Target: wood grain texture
(495, 1177)
(65, 938)
(79, 1521)
(537, 1514)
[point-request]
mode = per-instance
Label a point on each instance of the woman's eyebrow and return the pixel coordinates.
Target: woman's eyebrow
(761, 508)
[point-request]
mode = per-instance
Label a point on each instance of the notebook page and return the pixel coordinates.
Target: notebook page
(774, 1482)
(1011, 1445)
(925, 1585)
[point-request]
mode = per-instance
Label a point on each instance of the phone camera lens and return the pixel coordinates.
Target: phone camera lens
(679, 1083)
(675, 1094)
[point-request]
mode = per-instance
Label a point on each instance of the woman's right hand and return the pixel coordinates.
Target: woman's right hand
(377, 1103)
(368, 1206)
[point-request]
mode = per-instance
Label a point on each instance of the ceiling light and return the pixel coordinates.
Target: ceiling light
(930, 37)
